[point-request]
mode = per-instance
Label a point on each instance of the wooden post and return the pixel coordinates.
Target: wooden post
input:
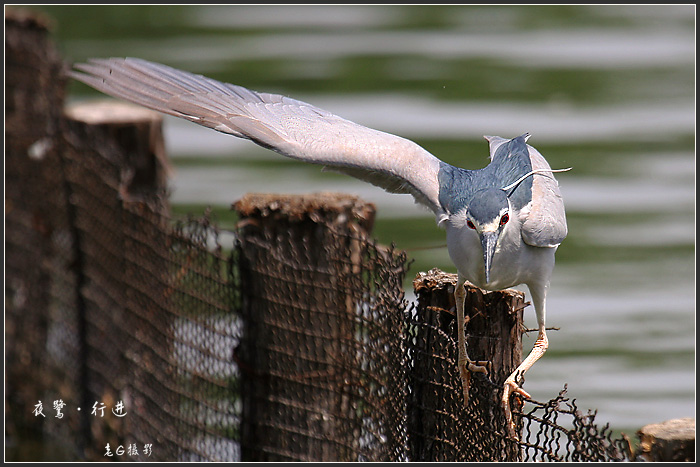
(115, 172)
(296, 353)
(441, 428)
(132, 139)
(65, 221)
(34, 227)
(669, 441)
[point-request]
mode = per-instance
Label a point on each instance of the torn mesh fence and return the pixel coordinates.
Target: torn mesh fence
(441, 429)
(326, 391)
(321, 344)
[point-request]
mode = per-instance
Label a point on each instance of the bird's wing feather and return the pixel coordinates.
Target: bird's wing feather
(288, 126)
(538, 198)
(545, 222)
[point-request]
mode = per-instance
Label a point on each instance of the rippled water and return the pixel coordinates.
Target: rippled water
(607, 90)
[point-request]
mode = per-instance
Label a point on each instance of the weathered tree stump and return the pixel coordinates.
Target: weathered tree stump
(494, 330)
(34, 220)
(669, 441)
(115, 177)
(296, 352)
(133, 140)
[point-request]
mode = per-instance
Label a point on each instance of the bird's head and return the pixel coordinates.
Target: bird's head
(488, 213)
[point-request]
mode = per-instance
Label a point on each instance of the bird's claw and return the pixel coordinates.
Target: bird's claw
(481, 366)
(466, 368)
(510, 387)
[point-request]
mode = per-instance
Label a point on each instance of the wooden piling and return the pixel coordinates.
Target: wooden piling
(116, 179)
(494, 330)
(132, 137)
(299, 322)
(669, 441)
(35, 223)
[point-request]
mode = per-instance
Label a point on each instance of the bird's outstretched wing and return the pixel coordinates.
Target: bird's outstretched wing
(288, 126)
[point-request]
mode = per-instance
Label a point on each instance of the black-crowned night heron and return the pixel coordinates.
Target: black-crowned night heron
(504, 222)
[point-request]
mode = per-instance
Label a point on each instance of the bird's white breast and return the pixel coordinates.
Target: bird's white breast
(514, 262)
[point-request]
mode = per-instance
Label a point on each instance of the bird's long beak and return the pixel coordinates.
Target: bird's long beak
(488, 244)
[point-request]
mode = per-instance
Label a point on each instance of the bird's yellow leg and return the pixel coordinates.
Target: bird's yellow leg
(466, 365)
(511, 385)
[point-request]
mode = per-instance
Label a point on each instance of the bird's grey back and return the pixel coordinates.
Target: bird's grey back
(510, 162)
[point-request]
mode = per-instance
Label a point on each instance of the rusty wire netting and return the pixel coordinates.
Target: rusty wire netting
(322, 332)
(296, 344)
(558, 431)
(37, 240)
(268, 351)
(290, 341)
(137, 312)
(440, 428)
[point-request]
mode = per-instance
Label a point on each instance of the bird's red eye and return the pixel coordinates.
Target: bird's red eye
(470, 224)
(504, 219)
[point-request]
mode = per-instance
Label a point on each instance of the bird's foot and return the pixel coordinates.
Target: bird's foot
(510, 387)
(466, 368)
(481, 366)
